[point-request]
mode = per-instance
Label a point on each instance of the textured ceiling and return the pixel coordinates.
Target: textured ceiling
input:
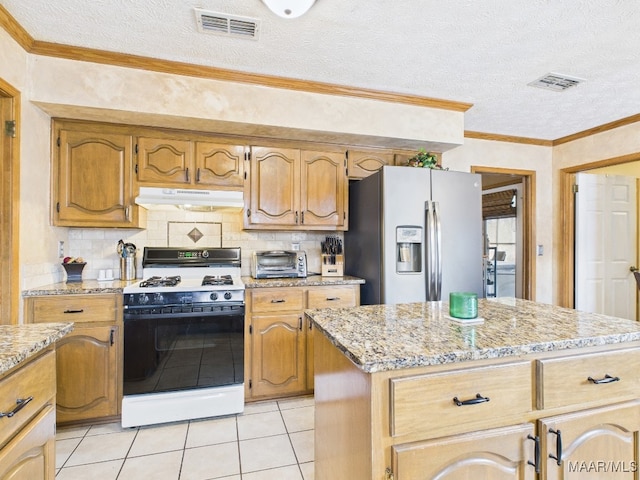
(482, 53)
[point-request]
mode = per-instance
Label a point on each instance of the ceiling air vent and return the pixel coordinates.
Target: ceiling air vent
(556, 82)
(227, 25)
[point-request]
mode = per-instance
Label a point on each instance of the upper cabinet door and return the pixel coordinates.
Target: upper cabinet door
(93, 180)
(164, 161)
(361, 164)
(323, 189)
(275, 192)
(221, 165)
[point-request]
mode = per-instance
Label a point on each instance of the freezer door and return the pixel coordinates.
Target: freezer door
(458, 196)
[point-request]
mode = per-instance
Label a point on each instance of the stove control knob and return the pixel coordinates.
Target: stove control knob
(227, 295)
(213, 296)
(205, 253)
(143, 299)
(158, 298)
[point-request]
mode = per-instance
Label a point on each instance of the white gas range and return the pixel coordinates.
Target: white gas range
(184, 336)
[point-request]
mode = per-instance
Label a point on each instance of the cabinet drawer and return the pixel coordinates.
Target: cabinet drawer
(335, 296)
(73, 308)
(565, 381)
(424, 404)
(36, 379)
(277, 299)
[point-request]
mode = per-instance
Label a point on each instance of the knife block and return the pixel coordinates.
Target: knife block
(332, 265)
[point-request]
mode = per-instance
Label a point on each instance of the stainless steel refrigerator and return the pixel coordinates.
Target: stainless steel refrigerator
(415, 235)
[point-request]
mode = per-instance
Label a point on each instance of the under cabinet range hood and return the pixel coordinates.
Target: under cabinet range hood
(200, 200)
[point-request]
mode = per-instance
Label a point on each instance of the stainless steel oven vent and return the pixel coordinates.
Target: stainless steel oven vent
(226, 25)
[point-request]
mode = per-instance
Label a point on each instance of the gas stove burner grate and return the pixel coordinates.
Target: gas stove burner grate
(161, 281)
(217, 280)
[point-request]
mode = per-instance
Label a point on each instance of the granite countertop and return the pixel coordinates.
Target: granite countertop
(20, 342)
(388, 337)
(311, 281)
(94, 287)
(76, 288)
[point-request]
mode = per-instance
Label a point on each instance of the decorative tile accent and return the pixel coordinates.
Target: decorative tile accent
(204, 234)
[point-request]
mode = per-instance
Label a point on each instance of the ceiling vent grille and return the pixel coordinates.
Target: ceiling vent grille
(556, 82)
(227, 25)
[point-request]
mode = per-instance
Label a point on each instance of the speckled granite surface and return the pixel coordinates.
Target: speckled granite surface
(312, 281)
(84, 287)
(388, 337)
(116, 286)
(19, 342)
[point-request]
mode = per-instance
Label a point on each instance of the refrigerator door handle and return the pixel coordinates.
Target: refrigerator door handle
(438, 250)
(430, 257)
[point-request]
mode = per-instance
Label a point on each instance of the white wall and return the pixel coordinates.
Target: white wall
(490, 153)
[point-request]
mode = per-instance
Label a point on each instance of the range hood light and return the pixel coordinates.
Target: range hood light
(196, 200)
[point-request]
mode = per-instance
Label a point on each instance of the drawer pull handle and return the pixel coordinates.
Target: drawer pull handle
(607, 379)
(275, 300)
(536, 460)
(558, 455)
(474, 401)
(20, 404)
(333, 299)
(74, 311)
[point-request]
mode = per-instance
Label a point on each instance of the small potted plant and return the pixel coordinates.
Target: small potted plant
(424, 159)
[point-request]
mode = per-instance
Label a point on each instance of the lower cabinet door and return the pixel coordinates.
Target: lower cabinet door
(87, 374)
(496, 454)
(31, 454)
(595, 443)
(279, 364)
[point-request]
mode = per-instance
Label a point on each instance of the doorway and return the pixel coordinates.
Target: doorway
(9, 201)
(518, 267)
(616, 165)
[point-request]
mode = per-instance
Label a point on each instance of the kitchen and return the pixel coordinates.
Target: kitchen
(39, 263)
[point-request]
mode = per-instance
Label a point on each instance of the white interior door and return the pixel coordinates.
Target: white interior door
(605, 249)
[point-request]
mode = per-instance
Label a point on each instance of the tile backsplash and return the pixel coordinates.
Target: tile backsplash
(180, 228)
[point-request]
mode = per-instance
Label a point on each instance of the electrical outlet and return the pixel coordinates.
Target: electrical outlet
(295, 246)
(60, 249)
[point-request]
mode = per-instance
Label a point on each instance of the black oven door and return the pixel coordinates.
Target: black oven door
(183, 350)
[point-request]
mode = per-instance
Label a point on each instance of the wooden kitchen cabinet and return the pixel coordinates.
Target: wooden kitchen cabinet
(92, 181)
(296, 190)
(89, 360)
(279, 351)
(27, 439)
(497, 454)
(362, 163)
(185, 163)
(595, 443)
(410, 426)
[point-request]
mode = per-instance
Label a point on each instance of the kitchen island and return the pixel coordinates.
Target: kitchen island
(27, 399)
(404, 392)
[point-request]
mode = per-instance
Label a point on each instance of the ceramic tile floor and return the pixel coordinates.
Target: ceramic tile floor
(269, 441)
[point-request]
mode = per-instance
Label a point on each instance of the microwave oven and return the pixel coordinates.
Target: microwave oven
(279, 264)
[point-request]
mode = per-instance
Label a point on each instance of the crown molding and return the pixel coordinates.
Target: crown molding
(15, 30)
(507, 138)
(602, 128)
(82, 54)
